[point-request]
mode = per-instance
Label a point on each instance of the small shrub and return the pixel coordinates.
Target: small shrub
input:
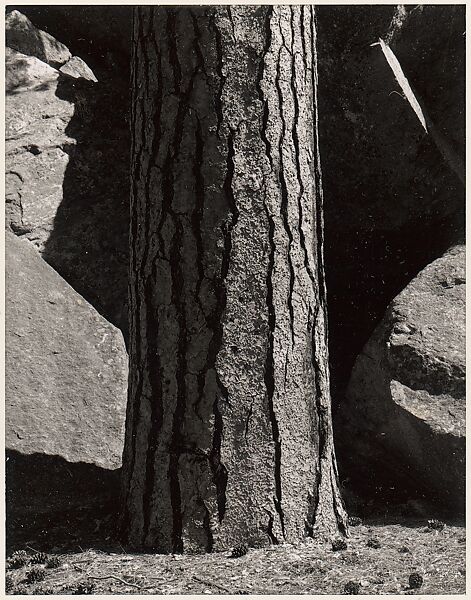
(415, 581)
(53, 562)
(354, 521)
(84, 588)
(351, 587)
(373, 543)
(39, 558)
(240, 550)
(435, 524)
(17, 560)
(43, 591)
(339, 544)
(35, 575)
(20, 590)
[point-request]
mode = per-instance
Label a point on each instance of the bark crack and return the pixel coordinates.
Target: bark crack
(269, 372)
(264, 101)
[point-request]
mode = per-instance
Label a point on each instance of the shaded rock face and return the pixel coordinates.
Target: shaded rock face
(66, 367)
(392, 204)
(23, 36)
(67, 154)
(405, 407)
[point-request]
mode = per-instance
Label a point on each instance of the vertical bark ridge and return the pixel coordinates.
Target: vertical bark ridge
(284, 187)
(295, 76)
(219, 470)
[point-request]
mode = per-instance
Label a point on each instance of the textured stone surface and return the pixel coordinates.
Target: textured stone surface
(36, 145)
(23, 36)
(66, 367)
(76, 67)
(406, 398)
(67, 177)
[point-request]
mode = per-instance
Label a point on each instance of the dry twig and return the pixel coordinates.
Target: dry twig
(216, 585)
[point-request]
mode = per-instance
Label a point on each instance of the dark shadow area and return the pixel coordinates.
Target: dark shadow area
(383, 495)
(89, 243)
(56, 505)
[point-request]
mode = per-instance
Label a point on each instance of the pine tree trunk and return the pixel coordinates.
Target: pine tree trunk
(228, 429)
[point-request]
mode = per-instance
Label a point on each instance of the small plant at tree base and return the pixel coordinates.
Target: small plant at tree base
(35, 575)
(415, 581)
(84, 588)
(53, 562)
(339, 544)
(373, 543)
(436, 524)
(9, 585)
(240, 550)
(354, 521)
(39, 558)
(351, 587)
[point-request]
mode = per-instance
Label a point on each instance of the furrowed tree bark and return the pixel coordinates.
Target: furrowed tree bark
(228, 435)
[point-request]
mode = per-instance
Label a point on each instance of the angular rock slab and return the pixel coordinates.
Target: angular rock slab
(23, 36)
(66, 367)
(405, 405)
(76, 67)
